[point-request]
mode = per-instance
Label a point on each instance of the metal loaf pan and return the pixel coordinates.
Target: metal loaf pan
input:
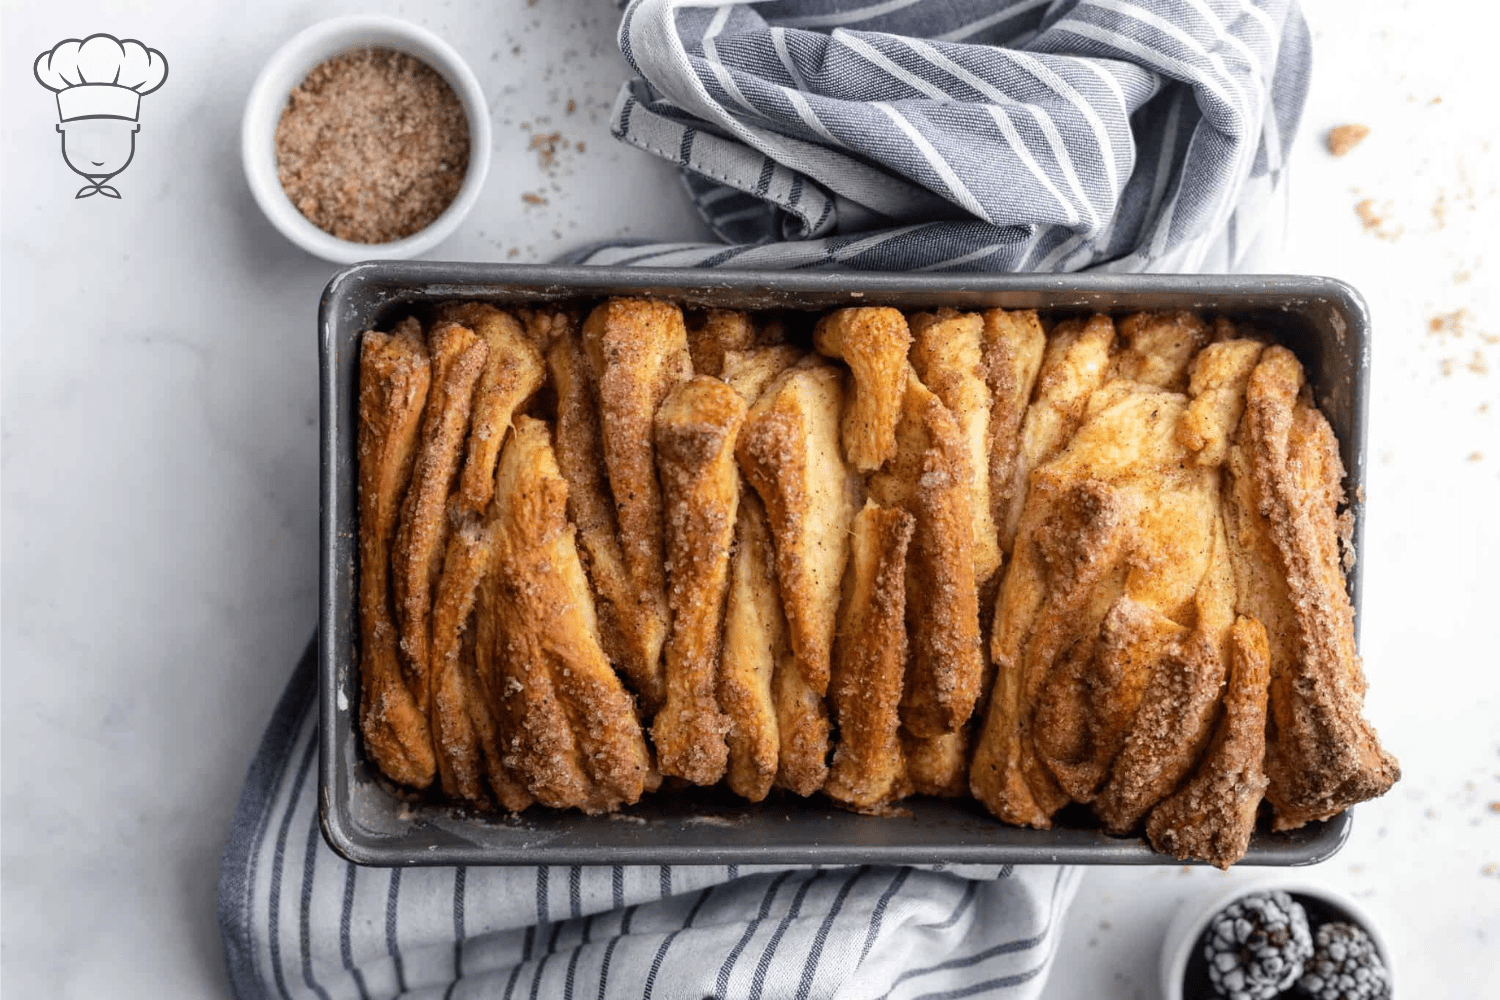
(1322, 320)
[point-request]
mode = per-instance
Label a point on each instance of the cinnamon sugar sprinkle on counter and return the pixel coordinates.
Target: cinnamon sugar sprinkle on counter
(1343, 138)
(373, 145)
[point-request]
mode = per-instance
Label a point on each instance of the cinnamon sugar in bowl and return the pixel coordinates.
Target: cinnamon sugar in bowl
(365, 138)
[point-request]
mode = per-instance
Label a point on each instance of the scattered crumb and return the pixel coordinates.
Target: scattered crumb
(1477, 364)
(1484, 407)
(1495, 807)
(1490, 870)
(1440, 211)
(1431, 813)
(1490, 338)
(627, 818)
(572, 105)
(1452, 324)
(1359, 494)
(1462, 277)
(1478, 456)
(1375, 222)
(1343, 138)
(1435, 100)
(513, 252)
(579, 145)
(1447, 367)
(531, 198)
(546, 147)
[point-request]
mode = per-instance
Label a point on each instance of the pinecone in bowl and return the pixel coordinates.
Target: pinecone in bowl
(1345, 966)
(1257, 946)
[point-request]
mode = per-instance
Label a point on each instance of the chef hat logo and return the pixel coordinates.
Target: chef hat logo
(100, 76)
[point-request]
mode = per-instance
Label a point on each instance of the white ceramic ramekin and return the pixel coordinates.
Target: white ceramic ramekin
(290, 64)
(1187, 927)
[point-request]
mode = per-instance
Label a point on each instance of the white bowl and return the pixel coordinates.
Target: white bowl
(1187, 927)
(287, 68)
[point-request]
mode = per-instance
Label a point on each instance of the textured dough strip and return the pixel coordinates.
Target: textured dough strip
(873, 342)
(948, 356)
(463, 724)
(930, 476)
(1075, 363)
(637, 351)
(513, 371)
(1012, 347)
(569, 728)
(696, 428)
(788, 451)
(629, 639)
(458, 356)
(1212, 816)
(866, 689)
(755, 639)
(393, 380)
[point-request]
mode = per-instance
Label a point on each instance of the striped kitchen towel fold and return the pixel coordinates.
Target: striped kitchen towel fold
(300, 922)
(899, 135)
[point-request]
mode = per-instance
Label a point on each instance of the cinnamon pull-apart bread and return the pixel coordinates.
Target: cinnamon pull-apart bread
(1074, 561)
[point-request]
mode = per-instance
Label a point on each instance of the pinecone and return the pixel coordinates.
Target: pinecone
(1345, 966)
(1256, 946)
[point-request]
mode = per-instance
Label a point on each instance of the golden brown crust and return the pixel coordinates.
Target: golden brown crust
(569, 728)
(696, 428)
(512, 373)
(1159, 347)
(637, 350)
(1012, 348)
(458, 356)
(869, 679)
(1219, 374)
(947, 355)
(627, 639)
(1090, 698)
(873, 342)
(1073, 537)
(1075, 363)
(1322, 756)
(755, 639)
(1119, 511)
(788, 451)
(930, 476)
(1171, 728)
(393, 380)
(545, 324)
(1174, 720)
(713, 332)
(463, 725)
(802, 722)
(1212, 817)
(938, 765)
(748, 372)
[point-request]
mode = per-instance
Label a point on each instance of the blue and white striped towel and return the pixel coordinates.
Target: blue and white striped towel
(896, 135)
(902, 135)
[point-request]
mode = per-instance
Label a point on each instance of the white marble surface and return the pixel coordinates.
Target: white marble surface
(159, 466)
